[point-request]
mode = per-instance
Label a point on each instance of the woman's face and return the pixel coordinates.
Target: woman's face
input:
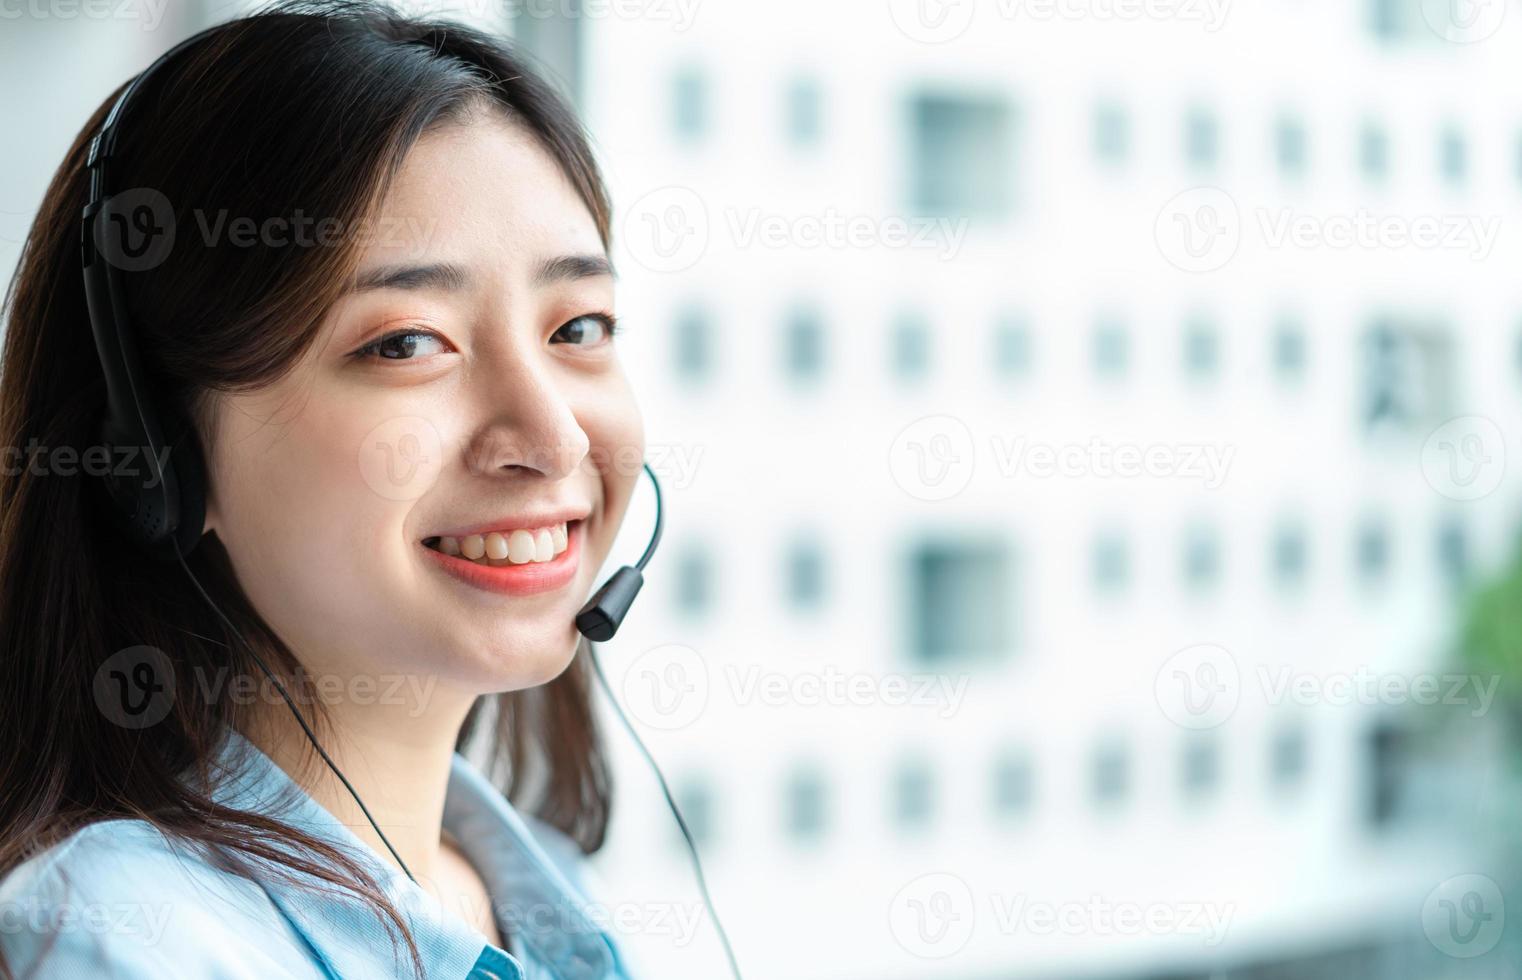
(466, 395)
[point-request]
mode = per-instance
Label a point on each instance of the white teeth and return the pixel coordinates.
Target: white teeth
(520, 547)
(516, 547)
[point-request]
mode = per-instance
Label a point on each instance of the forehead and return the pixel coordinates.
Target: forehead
(476, 187)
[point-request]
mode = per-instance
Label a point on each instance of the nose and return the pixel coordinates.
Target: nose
(529, 425)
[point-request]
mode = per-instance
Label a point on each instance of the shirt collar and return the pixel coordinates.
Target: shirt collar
(540, 910)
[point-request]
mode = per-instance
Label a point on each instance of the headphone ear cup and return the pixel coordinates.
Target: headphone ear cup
(187, 467)
(143, 500)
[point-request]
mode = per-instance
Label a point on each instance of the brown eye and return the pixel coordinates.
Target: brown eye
(586, 331)
(403, 345)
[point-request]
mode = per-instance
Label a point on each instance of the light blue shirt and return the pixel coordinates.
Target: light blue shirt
(118, 899)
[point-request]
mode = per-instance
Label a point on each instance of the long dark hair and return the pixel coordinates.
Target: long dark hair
(308, 108)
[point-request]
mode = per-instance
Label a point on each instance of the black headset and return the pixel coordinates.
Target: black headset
(161, 505)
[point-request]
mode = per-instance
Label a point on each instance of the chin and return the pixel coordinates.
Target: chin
(522, 663)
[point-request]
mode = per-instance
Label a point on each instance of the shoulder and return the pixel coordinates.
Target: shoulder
(121, 898)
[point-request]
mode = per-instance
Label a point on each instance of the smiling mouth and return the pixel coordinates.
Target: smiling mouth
(509, 546)
(504, 576)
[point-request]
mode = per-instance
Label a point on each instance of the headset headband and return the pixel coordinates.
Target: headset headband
(162, 505)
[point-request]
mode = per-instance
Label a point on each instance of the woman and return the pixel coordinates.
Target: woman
(378, 291)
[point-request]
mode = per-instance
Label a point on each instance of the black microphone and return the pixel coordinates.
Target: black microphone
(599, 619)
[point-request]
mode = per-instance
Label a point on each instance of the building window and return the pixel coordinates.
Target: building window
(1012, 347)
(1374, 152)
(1112, 136)
(913, 795)
(1287, 761)
(1385, 19)
(1202, 139)
(1428, 21)
(556, 37)
(1453, 161)
(1519, 352)
(805, 112)
(1388, 754)
(1202, 557)
(805, 573)
(1290, 555)
(693, 345)
(1013, 784)
(689, 105)
(911, 347)
(695, 799)
(1373, 552)
(1111, 775)
(803, 350)
(1407, 372)
(806, 805)
(1290, 150)
(1112, 563)
(1202, 349)
(961, 155)
(1111, 349)
(1289, 350)
(961, 601)
(1202, 760)
(694, 581)
(1453, 551)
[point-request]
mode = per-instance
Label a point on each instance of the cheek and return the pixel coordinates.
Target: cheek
(305, 530)
(617, 436)
(291, 482)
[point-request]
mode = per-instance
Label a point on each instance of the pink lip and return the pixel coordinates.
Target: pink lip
(529, 578)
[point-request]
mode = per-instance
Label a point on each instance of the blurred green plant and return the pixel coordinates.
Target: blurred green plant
(1490, 640)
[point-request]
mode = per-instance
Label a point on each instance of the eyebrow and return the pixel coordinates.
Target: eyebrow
(573, 267)
(448, 277)
(441, 276)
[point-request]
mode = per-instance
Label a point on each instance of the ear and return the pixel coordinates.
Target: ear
(204, 414)
(213, 518)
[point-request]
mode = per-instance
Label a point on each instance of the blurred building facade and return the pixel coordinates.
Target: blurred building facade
(1180, 235)
(1069, 413)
